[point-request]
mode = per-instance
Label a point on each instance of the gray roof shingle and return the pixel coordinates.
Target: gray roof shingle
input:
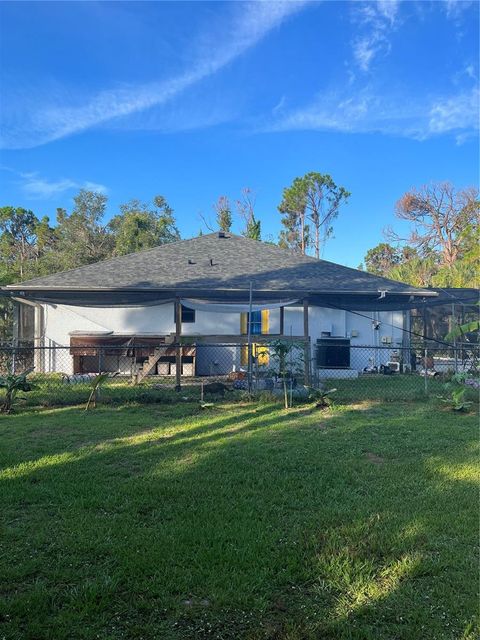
(210, 262)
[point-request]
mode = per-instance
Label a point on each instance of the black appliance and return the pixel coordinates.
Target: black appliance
(333, 353)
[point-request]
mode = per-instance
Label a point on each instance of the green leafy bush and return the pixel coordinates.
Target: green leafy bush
(454, 396)
(321, 397)
(13, 383)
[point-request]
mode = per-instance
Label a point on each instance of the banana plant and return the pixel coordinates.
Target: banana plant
(321, 397)
(456, 400)
(454, 395)
(461, 330)
(13, 383)
(96, 385)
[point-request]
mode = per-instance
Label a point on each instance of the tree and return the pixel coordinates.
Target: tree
(296, 235)
(465, 271)
(17, 241)
(138, 226)
(439, 215)
(416, 270)
(443, 243)
(26, 246)
(223, 213)
(310, 205)
(404, 264)
(323, 199)
(246, 210)
(381, 259)
(82, 236)
(45, 255)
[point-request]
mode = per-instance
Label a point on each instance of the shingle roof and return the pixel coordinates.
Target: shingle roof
(210, 262)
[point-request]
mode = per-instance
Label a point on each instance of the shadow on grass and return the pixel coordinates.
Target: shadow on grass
(256, 524)
(100, 429)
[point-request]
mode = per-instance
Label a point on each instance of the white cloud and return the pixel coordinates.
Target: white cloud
(41, 124)
(365, 49)
(279, 107)
(369, 112)
(470, 72)
(94, 186)
(456, 11)
(388, 9)
(375, 21)
(454, 8)
(456, 113)
(37, 187)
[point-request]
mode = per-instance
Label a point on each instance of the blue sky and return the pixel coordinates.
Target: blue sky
(194, 100)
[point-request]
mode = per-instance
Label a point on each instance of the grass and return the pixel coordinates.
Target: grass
(241, 522)
(386, 388)
(51, 391)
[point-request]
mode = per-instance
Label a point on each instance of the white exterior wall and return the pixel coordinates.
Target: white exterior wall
(341, 324)
(61, 320)
(390, 328)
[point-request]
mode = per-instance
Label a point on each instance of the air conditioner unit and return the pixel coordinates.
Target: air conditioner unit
(386, 339)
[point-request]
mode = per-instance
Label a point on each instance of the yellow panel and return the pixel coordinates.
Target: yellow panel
(244, 355)
(243, 324)
(261, 352)
(265, 321)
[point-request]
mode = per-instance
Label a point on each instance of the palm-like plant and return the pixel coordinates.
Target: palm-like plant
(13, 383)
(96, 385)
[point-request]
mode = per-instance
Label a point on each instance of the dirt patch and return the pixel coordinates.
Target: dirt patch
(373, 458)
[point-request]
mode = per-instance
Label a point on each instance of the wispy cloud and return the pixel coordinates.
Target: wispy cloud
(457, 12)
(369, 112)
(37, 187)
(279, 107)
(41, 124)
(368, 105)
(454, 8)
(455, 114)
(375, 20)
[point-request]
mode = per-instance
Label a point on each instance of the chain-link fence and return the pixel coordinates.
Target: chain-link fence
(394, 372)
(63, 375)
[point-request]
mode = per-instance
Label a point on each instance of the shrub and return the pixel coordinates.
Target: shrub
(12, 384)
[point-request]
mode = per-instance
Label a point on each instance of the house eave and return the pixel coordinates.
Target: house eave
(186, 291)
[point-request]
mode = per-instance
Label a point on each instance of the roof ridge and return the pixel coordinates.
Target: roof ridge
(242, 257)
(308, 258)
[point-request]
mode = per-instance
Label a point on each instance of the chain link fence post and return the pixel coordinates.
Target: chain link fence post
(425, 368)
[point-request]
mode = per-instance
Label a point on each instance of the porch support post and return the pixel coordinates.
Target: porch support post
(306, 336)
(282, 320)
(16, 322)
(16, 332)
(178, 348)
(38, 358)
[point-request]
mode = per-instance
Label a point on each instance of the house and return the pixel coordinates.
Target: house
(193, 294)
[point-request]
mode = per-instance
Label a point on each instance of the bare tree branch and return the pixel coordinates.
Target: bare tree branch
(438, 214)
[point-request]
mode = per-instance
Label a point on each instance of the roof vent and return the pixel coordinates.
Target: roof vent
(221, 234)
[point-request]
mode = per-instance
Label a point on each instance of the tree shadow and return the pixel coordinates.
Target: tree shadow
(254, 525)
(101, 430)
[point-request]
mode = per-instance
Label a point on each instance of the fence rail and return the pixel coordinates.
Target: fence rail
(149, 373)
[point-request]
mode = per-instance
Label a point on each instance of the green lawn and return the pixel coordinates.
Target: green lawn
(244, 521)
(51, 391)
